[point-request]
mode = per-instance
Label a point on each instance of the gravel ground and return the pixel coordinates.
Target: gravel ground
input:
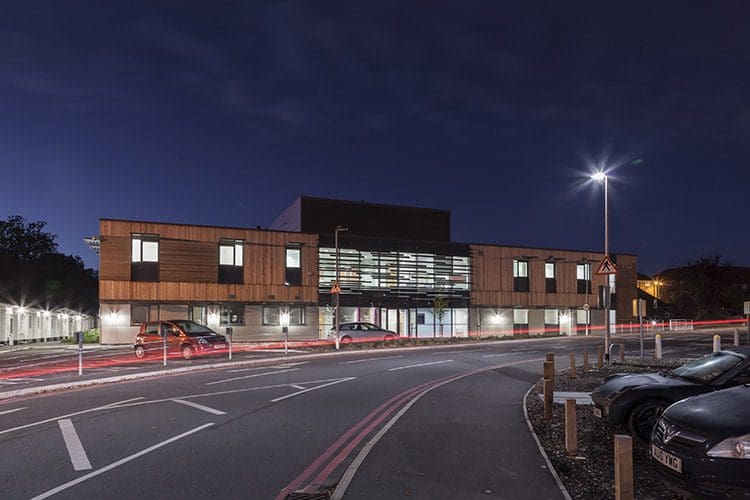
(590, 473)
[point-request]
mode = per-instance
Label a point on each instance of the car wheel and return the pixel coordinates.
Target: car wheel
(187, 352)
(644, 416)
(346, 339)
(140, 352)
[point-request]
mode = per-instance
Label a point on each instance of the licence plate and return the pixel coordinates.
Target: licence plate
(219, 346)
(597, 412)
(664, 458)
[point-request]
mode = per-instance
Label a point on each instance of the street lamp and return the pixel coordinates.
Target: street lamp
(601, 177)
(336, 285)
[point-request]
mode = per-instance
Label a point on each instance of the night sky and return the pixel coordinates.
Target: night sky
(223, 113)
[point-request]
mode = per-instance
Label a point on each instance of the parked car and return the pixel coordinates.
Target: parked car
(701, 445)
(638, 399)
(362, 331)
(183, 336)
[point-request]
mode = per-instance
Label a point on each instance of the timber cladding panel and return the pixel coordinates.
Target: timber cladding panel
(492, 276)
(189, 267)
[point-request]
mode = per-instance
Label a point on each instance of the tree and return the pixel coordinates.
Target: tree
(705, 288)
(25, 241)
(440, 306)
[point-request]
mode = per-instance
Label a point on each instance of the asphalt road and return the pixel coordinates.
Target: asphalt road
(421, 423)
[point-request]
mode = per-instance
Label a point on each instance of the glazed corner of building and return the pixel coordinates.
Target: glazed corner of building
(188, 272)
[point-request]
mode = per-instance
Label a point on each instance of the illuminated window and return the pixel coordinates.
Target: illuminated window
(272, 314)
(520, 275)
(199, 314)
(550, 316)
(521, 316)
(232, 314)
(550, 281)
(583, 277)
(141, 313)
(293, 275)
(230, 262)
(144, 257)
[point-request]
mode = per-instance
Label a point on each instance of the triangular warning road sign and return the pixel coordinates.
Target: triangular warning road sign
(335, 288)
(606, 266)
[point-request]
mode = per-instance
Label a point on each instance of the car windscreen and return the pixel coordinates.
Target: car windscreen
(194, 329)
(708, 368)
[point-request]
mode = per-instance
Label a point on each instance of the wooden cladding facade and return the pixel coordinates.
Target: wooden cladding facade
(492, 277)
(189, 264)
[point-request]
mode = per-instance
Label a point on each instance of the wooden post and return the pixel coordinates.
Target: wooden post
(551, 359)
(571, 433)
(549, 371)
(585, 361)
(572, 365)
(599, 357)
(622, 353)
(548, 393)
(623, 467)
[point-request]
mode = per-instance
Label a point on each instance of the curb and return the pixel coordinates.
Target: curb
(550, 467)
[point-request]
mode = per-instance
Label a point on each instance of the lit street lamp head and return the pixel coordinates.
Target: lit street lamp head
(599, 176)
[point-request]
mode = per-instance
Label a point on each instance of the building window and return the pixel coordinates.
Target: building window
(520, 275)
(551, 317)
(582, 316)
(141, 313)
(521, 316)
(230, 262)
(232, 314)
(550, 281)
(612, 281)
(199, 314)
(144, 258)
(293, 274)
(583, 277)
(272, 315)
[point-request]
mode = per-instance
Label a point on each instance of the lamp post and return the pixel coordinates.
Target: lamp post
(602, 178)
(284, 322)
(336, 283)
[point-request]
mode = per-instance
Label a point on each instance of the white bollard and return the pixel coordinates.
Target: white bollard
(657, 346)
(736, 337)
(717, 343)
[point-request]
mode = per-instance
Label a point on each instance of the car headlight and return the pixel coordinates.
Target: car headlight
(734, 447)
(201, 340)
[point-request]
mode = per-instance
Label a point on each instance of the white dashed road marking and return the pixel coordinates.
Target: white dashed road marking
(73, 443)
(251, 376)
(336, 381)
(421, 364)
(12, 411)
(368, 359)
(199, 407)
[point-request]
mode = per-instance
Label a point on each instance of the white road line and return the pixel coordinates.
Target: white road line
(458, 351)
(287, 365)
(421, 364)
(296, 386)
(123, 402)
(114, 465)
(73, 443)
(199, 407)
(6, 382)
(368, 359)
(338, 381)
(251, 376)
(496, 355)
(28, 379)
(12, 411)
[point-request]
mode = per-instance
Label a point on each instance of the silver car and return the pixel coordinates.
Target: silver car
(362, 332)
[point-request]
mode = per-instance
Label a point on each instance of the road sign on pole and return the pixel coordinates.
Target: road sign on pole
(335, 288)
(606, 266)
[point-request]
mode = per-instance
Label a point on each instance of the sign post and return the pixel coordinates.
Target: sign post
(284, 320)
(229, 340)
(639, 307)
(747, 314)
(606, 267)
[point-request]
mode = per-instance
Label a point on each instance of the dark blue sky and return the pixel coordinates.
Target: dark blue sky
(223, 113)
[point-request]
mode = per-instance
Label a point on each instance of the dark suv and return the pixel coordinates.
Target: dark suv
(183, 336)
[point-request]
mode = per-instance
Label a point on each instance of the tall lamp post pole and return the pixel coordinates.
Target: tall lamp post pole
(602, 177)
(336, 284)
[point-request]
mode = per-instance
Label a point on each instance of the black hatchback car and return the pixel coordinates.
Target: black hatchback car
(701, 445)
(638, 399)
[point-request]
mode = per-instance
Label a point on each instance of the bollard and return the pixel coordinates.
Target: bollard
(736, 337)
(571, 433)
(549, 371)
(623, 467)
(572, 365)
(657, 346)
(599, 357)
(548, 394)
(622, 353)
(717, 343)
(585, 361)
(551, 359)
